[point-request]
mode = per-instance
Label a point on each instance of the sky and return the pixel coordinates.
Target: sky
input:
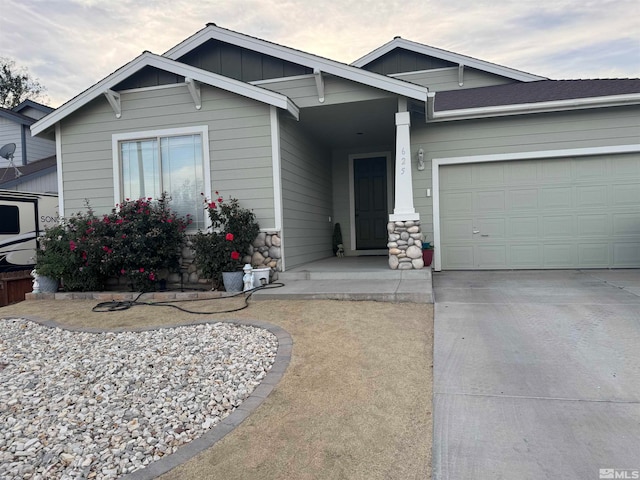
(69, 45)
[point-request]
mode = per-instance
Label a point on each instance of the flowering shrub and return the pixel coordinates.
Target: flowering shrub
(233, 231)
(140, 240)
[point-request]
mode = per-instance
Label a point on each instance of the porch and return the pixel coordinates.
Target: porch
(352, 278)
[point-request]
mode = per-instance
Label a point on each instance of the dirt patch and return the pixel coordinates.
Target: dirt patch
(355, 402)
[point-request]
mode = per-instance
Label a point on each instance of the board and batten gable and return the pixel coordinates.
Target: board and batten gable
(443, 79)
(306, 195)
(603, 127)
(239, 131)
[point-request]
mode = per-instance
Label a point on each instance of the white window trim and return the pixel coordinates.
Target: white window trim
(436, 163)
(116, 138)
(352, 198)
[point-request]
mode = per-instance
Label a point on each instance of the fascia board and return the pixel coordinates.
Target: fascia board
(448, 56)
(150, 59)
(332, 67)
(539, 107)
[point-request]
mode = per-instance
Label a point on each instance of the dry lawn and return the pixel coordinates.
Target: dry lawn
(355, 402)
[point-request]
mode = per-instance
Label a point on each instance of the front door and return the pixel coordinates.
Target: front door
(370, 189)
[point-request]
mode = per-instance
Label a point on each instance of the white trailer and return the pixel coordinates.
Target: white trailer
(23, 217)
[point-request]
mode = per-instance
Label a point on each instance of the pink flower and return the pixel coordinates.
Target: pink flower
(124, 235)
(219, 199)
(152, 277)
(169, 220)
(212, 205)
(141, 270)
(72, 245)
(122, 271)
(235, 255)
(229, 237)
(119, 221)
(106, 220)
(84, 255)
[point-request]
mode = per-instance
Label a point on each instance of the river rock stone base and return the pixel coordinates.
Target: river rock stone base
(405, 245)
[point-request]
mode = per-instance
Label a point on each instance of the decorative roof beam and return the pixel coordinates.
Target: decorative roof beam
(194, 90)
(461, 74)
(319, 84)
(114, 100)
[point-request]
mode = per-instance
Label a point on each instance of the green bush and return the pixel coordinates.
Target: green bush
(233, 230)
(140, 240)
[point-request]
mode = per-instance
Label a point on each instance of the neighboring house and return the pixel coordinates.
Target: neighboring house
(502, 169)
(34, 157)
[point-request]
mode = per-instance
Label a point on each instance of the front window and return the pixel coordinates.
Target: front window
(165, 163)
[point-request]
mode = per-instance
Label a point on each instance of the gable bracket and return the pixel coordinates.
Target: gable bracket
(194, 90)
(114, 100)
(461, 74)
(319, 84)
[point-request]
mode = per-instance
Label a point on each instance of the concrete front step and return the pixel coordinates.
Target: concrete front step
(422, 274)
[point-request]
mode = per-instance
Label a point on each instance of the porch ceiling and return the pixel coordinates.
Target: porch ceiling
(352, 125)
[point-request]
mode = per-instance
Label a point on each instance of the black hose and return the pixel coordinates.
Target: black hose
(118, 306)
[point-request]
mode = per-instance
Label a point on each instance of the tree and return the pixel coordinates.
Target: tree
(17, 85)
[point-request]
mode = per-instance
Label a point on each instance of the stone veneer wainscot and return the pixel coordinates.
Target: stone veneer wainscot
(405, 245)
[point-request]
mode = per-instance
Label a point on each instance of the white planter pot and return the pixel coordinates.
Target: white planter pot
(261, 276)
(48, 284)
(232, 281)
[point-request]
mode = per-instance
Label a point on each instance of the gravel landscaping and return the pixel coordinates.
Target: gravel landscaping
(100, 405)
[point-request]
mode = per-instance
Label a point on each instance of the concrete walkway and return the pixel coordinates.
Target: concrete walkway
(352, 278)
(536, 374)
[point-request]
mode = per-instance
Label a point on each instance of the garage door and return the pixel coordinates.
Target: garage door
(554, 213)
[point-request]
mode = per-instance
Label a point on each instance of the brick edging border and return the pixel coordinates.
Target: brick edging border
(229, 423)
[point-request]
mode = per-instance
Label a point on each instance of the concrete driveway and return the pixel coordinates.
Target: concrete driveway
(536, 374)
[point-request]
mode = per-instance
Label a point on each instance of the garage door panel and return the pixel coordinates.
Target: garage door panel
(553, 213)
(591, 196)
(596, 225)
(492, 227)
(589, 168)
(628, 194)
(489, 201)
(594, 255)
(459, 257)
(491, 256)
(557, 171)
(626, 224)
(626, 254)
(525, 256)
(457, 203)
(523, 227)
(559, 256)
(558, 226)
(455, 230)
(526, 199)
(556, 198)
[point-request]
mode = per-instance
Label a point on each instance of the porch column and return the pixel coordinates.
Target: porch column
(404, 233)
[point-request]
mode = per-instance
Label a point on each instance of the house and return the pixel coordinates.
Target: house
(499, 168)
(34, 157)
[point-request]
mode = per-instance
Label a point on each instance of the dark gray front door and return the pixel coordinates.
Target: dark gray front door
(370, 188)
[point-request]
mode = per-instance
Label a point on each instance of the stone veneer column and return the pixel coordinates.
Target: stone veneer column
(405, 245)
(405, 236)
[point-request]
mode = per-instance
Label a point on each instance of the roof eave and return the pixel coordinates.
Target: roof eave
(448, 56)
(150, 59)
(526, 108)
(400, 87)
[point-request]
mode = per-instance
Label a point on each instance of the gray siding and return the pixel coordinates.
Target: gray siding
(10, 133)
(306, 196)
(239, 145)
(401, 60)
(46, 184)
(447, 79)
(553, 131)
(38, 148)
(303, 92)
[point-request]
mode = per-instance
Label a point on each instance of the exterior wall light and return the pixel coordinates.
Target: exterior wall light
(420, 159)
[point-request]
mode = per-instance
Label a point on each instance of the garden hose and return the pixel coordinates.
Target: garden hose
(118, 306)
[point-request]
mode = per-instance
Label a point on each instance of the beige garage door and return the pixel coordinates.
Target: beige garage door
(559, 213)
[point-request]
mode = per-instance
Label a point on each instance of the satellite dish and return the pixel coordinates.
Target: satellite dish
(7, 151)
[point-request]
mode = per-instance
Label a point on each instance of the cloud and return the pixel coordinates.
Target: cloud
(70, 45)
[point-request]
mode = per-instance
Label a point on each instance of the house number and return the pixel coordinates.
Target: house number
(403, 161)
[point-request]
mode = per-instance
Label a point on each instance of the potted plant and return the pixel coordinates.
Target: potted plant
(337, 238)
(219, 252)
(427, 253)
